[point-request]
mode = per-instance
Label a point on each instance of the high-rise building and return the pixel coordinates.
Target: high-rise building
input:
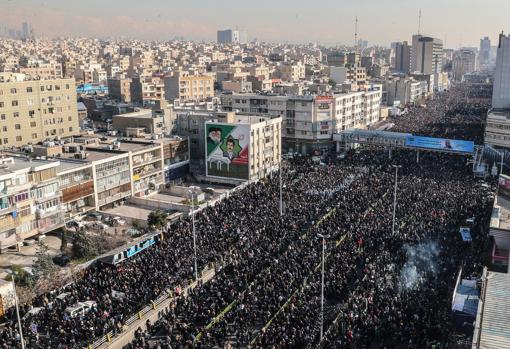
(402, 57)
(464, 62)
(501, 90)
(485, 52)
(25, 31)
(230, 36)
(35, 110)
(426, 55)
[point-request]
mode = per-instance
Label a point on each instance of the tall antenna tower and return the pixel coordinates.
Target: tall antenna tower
(419, 22)
(356, 34)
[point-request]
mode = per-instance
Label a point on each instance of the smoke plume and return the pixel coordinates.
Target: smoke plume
(421, 263)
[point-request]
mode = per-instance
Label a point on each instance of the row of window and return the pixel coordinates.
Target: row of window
(5, 141)
(43, 88)
(30, 101)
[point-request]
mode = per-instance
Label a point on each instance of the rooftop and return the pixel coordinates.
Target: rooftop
(11, 165)
(492, 328)
(139, 113)
(500, 218)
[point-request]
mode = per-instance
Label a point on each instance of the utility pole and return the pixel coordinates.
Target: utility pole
(17, 312)
(194, 234)
(395, 199)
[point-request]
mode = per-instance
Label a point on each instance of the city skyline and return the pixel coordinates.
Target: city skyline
(331, 23)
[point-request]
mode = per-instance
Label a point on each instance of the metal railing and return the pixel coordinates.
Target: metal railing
(167, 295)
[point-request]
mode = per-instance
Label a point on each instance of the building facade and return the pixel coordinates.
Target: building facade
(243, 147)
(501, 90)
(464, 62)
(426, 55)
(402, 57)
(188, 87)
(309, 121)
(30, 199)
(230, 36)
(32, 111)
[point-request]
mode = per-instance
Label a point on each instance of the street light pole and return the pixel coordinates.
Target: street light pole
(17, 313)
(395, 199)
(322, 284)
(194, 234)
(281, 196)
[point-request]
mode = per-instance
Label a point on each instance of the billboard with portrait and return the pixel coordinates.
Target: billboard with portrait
(452, 145)
(227, 150)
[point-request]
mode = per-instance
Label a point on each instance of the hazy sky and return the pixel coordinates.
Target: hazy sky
(457, 22)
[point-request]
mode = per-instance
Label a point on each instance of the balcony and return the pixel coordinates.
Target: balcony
(102, 174)
(147, 161)
(50, 196)
(113, 198)
(103, 188)
(43, 213)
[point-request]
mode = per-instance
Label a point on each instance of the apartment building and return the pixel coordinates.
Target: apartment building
(76, 181)
(42, 71)
(120, 89)
(309, 121)
(243, 147)
(35, 110)
(349, 73)
(405, 91)
(497, 129)
(290, 72)
(147, 166)
(188, 87)
(176, 157)
(30, 199)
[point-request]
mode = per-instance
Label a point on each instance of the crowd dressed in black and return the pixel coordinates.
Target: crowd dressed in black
(452, 114)
(266, 289)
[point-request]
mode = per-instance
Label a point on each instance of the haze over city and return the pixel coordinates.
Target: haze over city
(457, 22)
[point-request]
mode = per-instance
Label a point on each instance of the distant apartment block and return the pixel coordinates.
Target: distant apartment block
(188, 87)
(230, 36)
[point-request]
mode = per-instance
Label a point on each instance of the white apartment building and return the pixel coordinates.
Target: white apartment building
(243, 147)
(310, 121)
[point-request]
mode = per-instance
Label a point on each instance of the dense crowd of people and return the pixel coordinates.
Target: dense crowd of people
(382, 288)
(450, 115)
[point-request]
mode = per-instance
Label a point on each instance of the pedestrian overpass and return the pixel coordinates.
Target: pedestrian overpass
(348, 138)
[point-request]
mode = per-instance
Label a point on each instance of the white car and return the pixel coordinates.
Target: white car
(80, 308)
(33, 311)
